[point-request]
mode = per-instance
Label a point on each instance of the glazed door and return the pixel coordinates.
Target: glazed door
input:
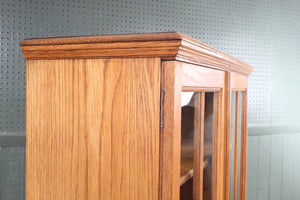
(238, 137)
(199, 131)
(192, 139)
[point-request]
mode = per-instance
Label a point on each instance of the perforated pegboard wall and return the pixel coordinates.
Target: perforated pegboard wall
(264, 34)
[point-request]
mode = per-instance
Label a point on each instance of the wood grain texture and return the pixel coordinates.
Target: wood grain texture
(92, 129)
(236, 139)
(171, 135)
(104, 39)
(218, 188)
(187, 171)
(168, 46)
(187, 155)
(100, 53)
(238, 82)
(244, 143)
(227, 133)
(198, 146)
(104, 116)
(201, 77)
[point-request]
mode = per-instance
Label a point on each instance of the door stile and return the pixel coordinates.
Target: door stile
(244, 141)
(199, 146)
(170, 132)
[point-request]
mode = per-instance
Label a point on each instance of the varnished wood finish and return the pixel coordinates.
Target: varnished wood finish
(223, 134)
(198, 146)
(187, 171)
(92, 129)
(168, 46)
(74, 53)
(200, 77)
(218, 147)
(211, 80)
(238, 82)
(236, 142)
(244, 142)
(187, 151)
(171, 135)
(215, 82)
(227, 134)
(104, 117)
(104, 39)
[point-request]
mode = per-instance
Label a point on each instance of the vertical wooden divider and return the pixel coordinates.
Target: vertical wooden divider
(236, 133)
(170, 132)
(198, 146)
(227, 133)
(217, 146)
(244, 135)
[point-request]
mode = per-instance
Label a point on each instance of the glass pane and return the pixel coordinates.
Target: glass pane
(208, 145)
(194, 104)
(187, 143)
(235, 145)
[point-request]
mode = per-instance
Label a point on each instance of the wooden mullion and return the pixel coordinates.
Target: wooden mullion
(244, 134)
(217, 146)
(236, 132)
(198, 146)
(227, 129)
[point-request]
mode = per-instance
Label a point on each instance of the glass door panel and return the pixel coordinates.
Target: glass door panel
(235, 145)
(198, 126)
(208, 145)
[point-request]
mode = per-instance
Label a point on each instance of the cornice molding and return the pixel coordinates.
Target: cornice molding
(166, 45)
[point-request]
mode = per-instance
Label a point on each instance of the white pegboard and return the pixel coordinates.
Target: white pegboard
(264, 34)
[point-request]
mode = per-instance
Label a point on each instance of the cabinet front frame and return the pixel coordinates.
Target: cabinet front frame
(180, 77)
(238, 83)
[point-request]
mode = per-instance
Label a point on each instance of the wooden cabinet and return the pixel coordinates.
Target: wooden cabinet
(144, 116)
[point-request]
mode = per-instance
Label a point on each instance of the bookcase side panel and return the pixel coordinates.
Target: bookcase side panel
(92, 128)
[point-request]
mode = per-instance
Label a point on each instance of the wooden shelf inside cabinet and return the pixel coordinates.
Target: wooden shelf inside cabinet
(186, 171)
(187, 151)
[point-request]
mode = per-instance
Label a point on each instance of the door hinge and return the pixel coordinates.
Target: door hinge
(162, 96)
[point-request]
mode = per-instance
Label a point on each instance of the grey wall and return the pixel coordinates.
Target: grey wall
(12, 165)
(262, 33)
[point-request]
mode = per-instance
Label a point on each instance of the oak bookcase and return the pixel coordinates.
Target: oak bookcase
(134, 117)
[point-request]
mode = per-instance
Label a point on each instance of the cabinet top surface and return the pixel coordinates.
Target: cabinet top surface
(166, 45)
(161, 36)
